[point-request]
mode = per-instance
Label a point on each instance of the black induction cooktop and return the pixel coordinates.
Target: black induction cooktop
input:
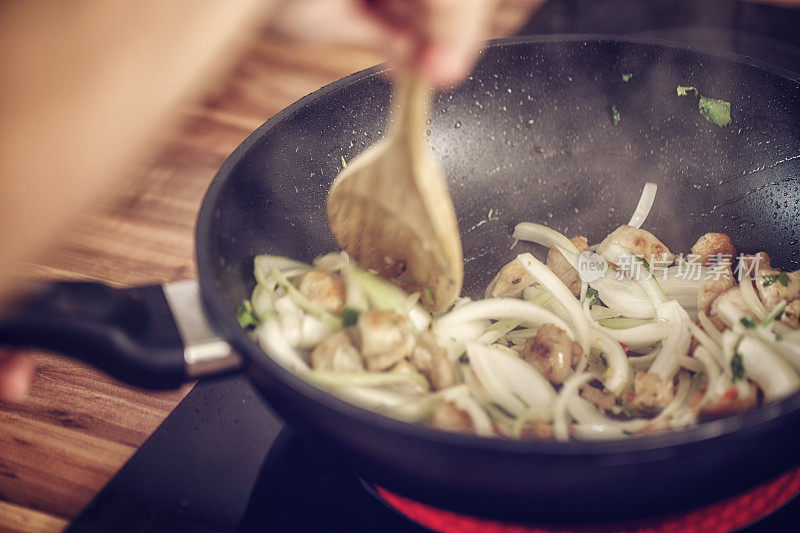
(223, 461)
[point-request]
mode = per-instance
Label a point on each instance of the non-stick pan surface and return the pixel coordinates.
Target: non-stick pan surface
(530, 137)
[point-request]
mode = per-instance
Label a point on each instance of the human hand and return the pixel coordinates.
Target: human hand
(436, 38)
(16, 372)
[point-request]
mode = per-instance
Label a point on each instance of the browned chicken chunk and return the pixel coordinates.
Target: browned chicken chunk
(431, 360)
(651, 392)
(775, 286)
(563, 269)
(509, 282)
(385, 338)
(732, 295)
(638, 241)
(602, 399)
(552, 352)
(448, 417)
(538, 430)
(325, 290)
(337, 353)
(791, 316)
(713, 288)
(714, 247)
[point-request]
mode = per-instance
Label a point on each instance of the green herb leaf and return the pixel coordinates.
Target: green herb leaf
(716, 111)
(626, 77)
(491, 212)
(344, 163)
(245, 315)
(748, 322)
(350, 316)
(615, 116)
(769, 279)
(737, 363)
(592, 296)
(684, 90)
(427, 296)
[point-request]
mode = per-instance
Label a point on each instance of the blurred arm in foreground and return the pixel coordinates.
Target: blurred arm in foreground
(83, 86)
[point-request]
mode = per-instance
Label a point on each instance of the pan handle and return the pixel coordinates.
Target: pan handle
(154, 337)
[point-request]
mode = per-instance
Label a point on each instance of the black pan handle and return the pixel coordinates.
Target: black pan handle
(154, 337)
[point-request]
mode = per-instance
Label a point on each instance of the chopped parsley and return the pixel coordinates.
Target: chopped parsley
(245, 315)
(626, 77)
(716, 111)
(350, 316)
(615, 116)
(592, 296)
(748, 322)
(491, 212)
(344, 163)
(737, 363)
(769, 279)
(713, 110)
(427, 296)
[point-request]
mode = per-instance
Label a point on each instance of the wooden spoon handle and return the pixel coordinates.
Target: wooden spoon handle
(410, 107)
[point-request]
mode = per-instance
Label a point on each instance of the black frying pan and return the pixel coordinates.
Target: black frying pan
(530, 136)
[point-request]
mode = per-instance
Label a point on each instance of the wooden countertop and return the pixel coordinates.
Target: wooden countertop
(78, 426)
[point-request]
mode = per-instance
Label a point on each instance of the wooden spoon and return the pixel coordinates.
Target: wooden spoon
(391, 211)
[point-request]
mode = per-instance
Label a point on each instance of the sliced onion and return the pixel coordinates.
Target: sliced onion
(776, 378)
(394, 404)
(275, 344)
(540, 234)
(649, 284)
(568, 391)
(618, 374)
(265, 265)
(510, 382)
(749, 293)
(624, 296)
(585, 413)
(497, 308)
(461, 398)
(561, 294)
(675, 344)
(644, 206)
(640, 336)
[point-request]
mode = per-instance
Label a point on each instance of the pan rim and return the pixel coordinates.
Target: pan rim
(224, 322)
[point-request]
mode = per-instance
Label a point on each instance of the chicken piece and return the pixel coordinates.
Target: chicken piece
(602, 399)
(431, 361)
(791, 316)
(753, 263)
(509, 282)
(732, 295)
(651, 393)
(448, 417)
(538, 430)
(637, 241)
(337, 353)
(712, 248)
(731, 402)
(325, 290)
(552, 352)
(386, 338)
(713, 288)
(563, 269)
(775, 286)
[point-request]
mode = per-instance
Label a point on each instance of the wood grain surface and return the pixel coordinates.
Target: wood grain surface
(59, 447)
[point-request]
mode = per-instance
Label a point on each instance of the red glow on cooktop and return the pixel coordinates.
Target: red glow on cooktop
(722, 516)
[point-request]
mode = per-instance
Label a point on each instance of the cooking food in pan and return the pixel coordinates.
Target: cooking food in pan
(609, 341)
